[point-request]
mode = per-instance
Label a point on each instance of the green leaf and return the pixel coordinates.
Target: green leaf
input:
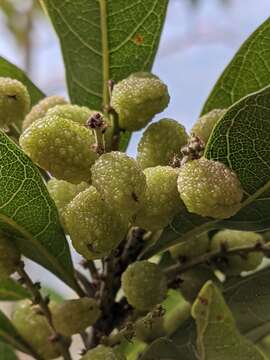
(9, 335)
(9, 70)
(103, 40)
(11, 290)
(247, 72)
(161, 349)
(29, 215)
(217, 334)
(6, 352)
(185, 340)
(241, 140)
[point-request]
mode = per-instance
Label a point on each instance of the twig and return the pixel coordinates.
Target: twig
(34, 288)
(89, 288)
(215, 255)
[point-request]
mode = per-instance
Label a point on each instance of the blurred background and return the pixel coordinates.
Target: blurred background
(199, 39)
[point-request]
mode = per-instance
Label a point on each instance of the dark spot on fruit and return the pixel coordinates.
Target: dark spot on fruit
(203, 300)
(219, 317)
(134, 196)
(138, 39)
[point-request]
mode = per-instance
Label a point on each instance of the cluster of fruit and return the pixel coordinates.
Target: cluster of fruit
(101, 193)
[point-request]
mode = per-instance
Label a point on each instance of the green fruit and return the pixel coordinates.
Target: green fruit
(60, 146)
(79, 114)
(144, 285)
(102, 352)
(150, 328)
(235, 264)
(120, 181)
(94, 226)
(73, 316)
(194, 279)
(63, 192)
(209, 188)
(35, 329)
(14, 101)
(40, 109)
(160, 142)
(137, 99)
(205, 124)
(161, 200)
(9, 257)
(190, 248)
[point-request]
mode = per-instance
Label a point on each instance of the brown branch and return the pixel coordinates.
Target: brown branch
(34, 289)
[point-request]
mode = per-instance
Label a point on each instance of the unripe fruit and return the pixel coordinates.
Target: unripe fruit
(60, 146)
(137, 99)
(73, 316)
(40, 109)
(102, 352)
(120, 181)
(190, 248)
(194, 279)
(149, 328)
(209, 188)
(144, 285)
(160, 142)
(205, 124)
(94, 226)
(35, 329)
(236, 263)
(79, 114)
(14, 101)
(161, 200)
(9, 257)
(63, 192)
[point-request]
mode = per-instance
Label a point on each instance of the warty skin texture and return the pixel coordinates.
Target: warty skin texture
(144, 285)
(160, 142)
(208, 188)
(61, 147)
(137, 99)
(94, 226)
(102, 352)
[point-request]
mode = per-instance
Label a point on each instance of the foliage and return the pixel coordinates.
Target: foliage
(143, 301)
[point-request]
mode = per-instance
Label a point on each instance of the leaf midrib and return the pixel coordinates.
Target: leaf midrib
(105, 52)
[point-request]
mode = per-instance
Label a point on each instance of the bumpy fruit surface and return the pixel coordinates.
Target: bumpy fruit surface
(144, 285)
(14, 101)
(79, 114)
(60, 146)
(205, 124)
(235, 264)
(40, 109)
(9, 257)
(94, 226)
(191, 248)
(120, 181)
(161, 200)
(63, 192)
(34, 329)
(102, 352)
(160, 142)
(74, 316)
(137, 99)
(209, 188)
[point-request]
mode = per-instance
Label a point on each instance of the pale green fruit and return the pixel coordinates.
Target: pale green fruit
(194, 279)
(235, 264)
(209, 188)
(95, 228)
(137, 99)
(161, 200)
(40, 109)
(205, 124)
(74, 316)
(60, 146)
(144, 285)
(35, 329)
(9, 256)
(14, 101)
(120, 181)
(190, 248)
(102, 352)
(79, 114)
(160, 142)
(63, 192)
